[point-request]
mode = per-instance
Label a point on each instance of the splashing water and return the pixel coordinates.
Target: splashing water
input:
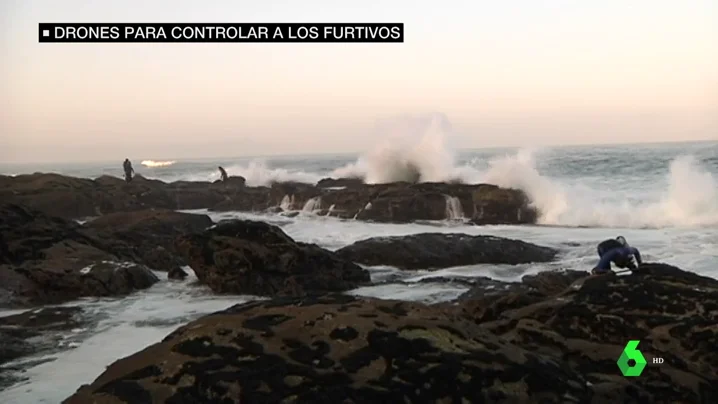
(152, 163)
(313, 204)
(416, 149)
(258, 173)
(287, 203)
(624, 186)
(690, 200)
(692, 197)
(454, 210)
(519, 171)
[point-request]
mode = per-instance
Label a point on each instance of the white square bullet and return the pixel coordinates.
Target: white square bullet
(45, 32)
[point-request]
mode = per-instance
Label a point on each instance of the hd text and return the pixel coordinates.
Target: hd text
(225, 32)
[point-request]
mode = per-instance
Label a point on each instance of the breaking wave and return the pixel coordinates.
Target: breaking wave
(418, 149)
(257, 173)
(614, 188)
(690, 198)
(415, 149)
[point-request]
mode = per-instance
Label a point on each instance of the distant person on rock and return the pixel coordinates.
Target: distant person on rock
(619, 252)
(129, 171)
(223, 174)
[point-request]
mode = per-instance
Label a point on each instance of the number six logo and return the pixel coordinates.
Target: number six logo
(630, 352)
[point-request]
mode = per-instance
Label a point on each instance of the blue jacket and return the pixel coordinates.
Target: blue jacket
(622, 254)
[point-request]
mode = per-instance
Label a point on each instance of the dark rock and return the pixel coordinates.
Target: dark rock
(552, 282)
(673, 313)
(340, 182)
(13, 347)
(25, 234)
(233, 181)
(488, 298)
(32, 322)
(296, 192)
(177, 274)
(406, 205)
(443, 250)
(338, 349)
(248, 257)
(546, 283)
(404, 202)
(32, 332)
(157, 257)
(49, 260)
(148, 236)
(70, 197)
(455, 280)
(494, 205)
(69, 275)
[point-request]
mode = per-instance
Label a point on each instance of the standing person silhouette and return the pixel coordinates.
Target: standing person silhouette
(129, 171)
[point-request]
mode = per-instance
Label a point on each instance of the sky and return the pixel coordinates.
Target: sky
(505, 73)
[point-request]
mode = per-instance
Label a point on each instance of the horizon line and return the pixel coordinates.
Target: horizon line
(359, 153)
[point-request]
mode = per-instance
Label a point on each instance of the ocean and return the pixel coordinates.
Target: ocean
(663, 198)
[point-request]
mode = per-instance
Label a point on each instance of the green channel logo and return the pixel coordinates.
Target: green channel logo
(631, 353)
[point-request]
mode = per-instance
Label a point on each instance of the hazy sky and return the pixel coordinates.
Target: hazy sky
(510, 73)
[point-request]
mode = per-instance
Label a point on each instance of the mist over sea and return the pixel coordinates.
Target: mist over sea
(662, 197)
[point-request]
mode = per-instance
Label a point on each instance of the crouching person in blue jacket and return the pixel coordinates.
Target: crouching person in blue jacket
(617, 251)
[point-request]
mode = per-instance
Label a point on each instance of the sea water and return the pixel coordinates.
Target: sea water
(662, 198)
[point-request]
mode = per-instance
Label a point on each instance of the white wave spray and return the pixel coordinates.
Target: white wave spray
(153, 163)
(454, 210)
(313, 204)
(419, 149)
(690, 200)
(256, 173)
(692, 197)
(415, 149)
(519, 171)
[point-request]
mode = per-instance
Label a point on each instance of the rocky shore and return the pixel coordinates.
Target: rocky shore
(47, 260)
(553, 337)
(32, 332)
(73, 198)
(441, 250)
(525, 344)
(249, 257)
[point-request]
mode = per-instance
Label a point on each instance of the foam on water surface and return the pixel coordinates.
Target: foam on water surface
(662, 199)
(118, 328)
(126, 325)
(692, 248)
(424, 292)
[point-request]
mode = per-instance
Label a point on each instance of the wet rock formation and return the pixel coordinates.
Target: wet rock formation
(148, 236)
(399, 202)
(334, 349)
(177, 274)
(443, 250)
(45, 260)
(552, 338)
(30, 333)
(588, 320)
(248, 257)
